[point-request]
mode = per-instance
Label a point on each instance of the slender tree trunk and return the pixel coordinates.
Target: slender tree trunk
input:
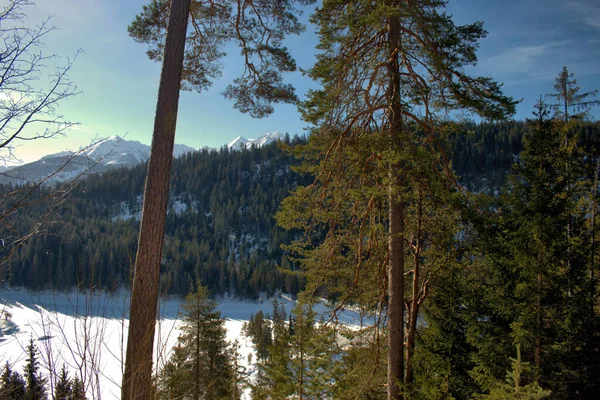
(538, 335)
(395, 374)
(415, 300)
(396, 291)
(411, 329)
(197, 355)
(593, 255)
(137, 378)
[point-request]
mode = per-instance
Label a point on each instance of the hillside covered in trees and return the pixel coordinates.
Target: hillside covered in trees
(221, 226)
(468, 250)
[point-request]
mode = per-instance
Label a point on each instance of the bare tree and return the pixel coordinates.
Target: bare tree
(30, 92)
(28, 98)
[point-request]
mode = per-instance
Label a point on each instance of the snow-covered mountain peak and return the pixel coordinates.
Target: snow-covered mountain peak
(241, 142)
(99, 156)
(268, 138)
(115, 150)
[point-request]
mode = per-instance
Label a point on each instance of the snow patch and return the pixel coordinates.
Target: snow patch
(59, 322)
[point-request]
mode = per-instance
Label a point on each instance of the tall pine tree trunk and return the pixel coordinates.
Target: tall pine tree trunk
(395, 374)
(137, 378)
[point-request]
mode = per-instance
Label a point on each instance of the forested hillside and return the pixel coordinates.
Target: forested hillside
(221, 226)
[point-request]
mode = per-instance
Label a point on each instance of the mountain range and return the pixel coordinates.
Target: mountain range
(105, 154)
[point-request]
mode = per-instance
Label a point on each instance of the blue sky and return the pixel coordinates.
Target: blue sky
(528, 43)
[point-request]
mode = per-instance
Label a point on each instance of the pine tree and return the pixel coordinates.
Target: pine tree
(301, 360)
(260, 30)
(137, 375)
(12, 384)
(570, 104)
(35, 388)
(78, 391)
(63, 390)
(202, 364)
(386, 68)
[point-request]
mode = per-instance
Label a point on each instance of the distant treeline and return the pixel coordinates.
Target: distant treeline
(220, 227)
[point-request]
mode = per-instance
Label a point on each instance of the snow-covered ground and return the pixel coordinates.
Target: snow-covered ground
(87, 332)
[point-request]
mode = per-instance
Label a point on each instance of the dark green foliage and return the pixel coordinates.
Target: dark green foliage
(226, 236)
(202, 365)
(78, 391)
(63, 389)
(531, 267)
(35, 385)
(483, 154)
(301, 361)
(225, 194)
(258, 328)
(12, 384)
(258, 28)
(443, 353)
(512, 387)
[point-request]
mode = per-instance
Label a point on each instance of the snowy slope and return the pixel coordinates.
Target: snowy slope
(99, 156)
(59, 323)
(105, 154)
(116, 150)
(241, 142)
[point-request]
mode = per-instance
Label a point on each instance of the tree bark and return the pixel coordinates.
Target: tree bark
(137, 378)
(395, 376)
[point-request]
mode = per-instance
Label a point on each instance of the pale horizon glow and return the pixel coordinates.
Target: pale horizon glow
(529, 42)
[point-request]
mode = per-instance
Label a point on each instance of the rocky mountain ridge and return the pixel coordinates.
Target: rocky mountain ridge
(103, 155)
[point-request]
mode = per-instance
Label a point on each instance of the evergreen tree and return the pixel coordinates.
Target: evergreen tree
(137, 374)
(536, 265)
(513, 388)
(203, 362)
(570, 104)
(301, 361)
(12, 384)
(63, 390)
(386, 67)
(35, 388)
(259, 331)
(78, 391)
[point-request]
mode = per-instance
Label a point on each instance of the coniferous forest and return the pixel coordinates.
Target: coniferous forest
(221, 228)
(468, 249)
(515, 280)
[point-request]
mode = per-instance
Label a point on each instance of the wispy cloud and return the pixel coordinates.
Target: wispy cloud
(519, 63)
(588, 12)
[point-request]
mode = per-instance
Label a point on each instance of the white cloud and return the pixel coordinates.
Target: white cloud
(588, 12)
(520, 63)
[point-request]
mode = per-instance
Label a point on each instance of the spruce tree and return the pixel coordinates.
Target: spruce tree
(534, 270)
(78, 390)
(301, 360)
(63, 390)
(570, 103)
(513, 387)
(35, 388)
(12, 384)
(202, 364)
(259, 331)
